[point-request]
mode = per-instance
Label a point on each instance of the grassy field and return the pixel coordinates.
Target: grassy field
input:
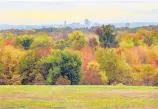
(78, 97)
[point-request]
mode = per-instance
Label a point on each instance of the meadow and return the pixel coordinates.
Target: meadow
(78, 97)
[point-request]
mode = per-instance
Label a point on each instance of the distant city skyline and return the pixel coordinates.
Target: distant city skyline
(36, 12)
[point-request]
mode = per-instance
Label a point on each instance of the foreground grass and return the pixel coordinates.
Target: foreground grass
(81, 97)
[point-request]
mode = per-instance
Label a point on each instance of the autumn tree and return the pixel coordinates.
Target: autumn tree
(77, 39)
(94, 75)
(150, 36)
(9, 60)
(41, 40)
(42, 44)
(152, 55)
(93, 42)
(61, 44)
(137, 40)
(29, 68)
(126, 44)
(129, 40)
(115, 67)
(148, 74)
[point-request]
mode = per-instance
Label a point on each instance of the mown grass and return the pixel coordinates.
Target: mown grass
(81, 97)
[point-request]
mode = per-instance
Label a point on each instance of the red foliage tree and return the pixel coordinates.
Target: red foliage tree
(8, 42)
(43, 51)
(154, 62)
(99, 31)
(118, 51)
(87, 55)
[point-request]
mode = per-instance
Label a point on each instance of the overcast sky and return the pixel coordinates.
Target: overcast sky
(56, 11)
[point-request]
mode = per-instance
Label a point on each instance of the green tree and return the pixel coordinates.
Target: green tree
(155, 37)
(41, 40)
(115, 67)
(62, 63)
(148, 40)
(61, 44)
(77, 39)
(1, 42)
(107, 36)
(25, 42)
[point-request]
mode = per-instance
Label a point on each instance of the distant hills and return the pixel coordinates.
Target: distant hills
(118, 25)
(7, 26)
(135, 24)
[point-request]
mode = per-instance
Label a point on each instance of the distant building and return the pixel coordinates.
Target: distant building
(65, 23)
(96, 24)
(76, 25)
(43, 26)
(86, 23)
(127, 25)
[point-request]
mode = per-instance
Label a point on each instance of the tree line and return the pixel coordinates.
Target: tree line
(98, 56)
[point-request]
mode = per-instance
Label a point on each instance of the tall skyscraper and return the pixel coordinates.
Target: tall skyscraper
(86, 23)
(65, 23)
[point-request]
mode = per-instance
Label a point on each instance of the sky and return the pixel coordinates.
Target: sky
(57, 11)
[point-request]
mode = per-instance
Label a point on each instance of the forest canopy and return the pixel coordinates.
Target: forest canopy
(97, 55)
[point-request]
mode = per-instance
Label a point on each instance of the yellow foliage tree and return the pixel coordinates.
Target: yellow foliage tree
(9, 60)
(94, 75)
(77, 39)
(148, 74)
